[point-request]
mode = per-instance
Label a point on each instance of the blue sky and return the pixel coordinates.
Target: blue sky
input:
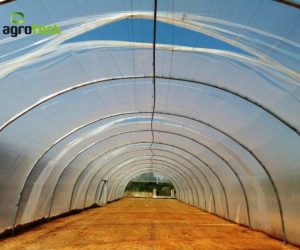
(141, 30)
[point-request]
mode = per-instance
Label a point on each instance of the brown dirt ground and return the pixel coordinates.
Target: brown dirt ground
(142, 224)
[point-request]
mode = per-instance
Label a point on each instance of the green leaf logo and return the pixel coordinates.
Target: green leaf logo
(17, 18)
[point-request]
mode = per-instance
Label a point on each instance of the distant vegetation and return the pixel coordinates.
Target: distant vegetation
(147, 182)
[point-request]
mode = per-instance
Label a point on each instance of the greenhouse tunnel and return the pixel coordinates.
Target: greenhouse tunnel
(206, 93)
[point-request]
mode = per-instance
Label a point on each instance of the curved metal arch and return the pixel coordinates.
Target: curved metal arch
(182, 179)
(164, 150)
(121, 189)
(218, 156)
(221, 184)
(186, 193)
(135, 144)
(245, 98)
(188, 118)
(117, 183)
(68, 91)
(178, 156)
(187, 178)
(255, 157)
(129, 144)
(148, 169)
(123, 114)
(146, 158)
(56, 143)
(202, 162)
(123, 146)
(227, 164)
(143, 170)
(127, 152)
(199, 171)
(174, 178)
(275, 190)
(181, 170)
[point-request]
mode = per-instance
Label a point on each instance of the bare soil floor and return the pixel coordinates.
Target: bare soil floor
(134, 223)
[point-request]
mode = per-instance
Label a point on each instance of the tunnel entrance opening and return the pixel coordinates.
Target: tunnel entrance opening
(150, 185)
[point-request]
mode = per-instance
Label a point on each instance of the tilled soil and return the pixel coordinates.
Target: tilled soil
(134, 223)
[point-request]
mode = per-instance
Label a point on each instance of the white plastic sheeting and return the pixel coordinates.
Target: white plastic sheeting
(225, 127)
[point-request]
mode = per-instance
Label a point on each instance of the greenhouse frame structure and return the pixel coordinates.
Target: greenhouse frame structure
(82, 116)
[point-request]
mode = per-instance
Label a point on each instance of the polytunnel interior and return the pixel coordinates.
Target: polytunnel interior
(203, 92)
